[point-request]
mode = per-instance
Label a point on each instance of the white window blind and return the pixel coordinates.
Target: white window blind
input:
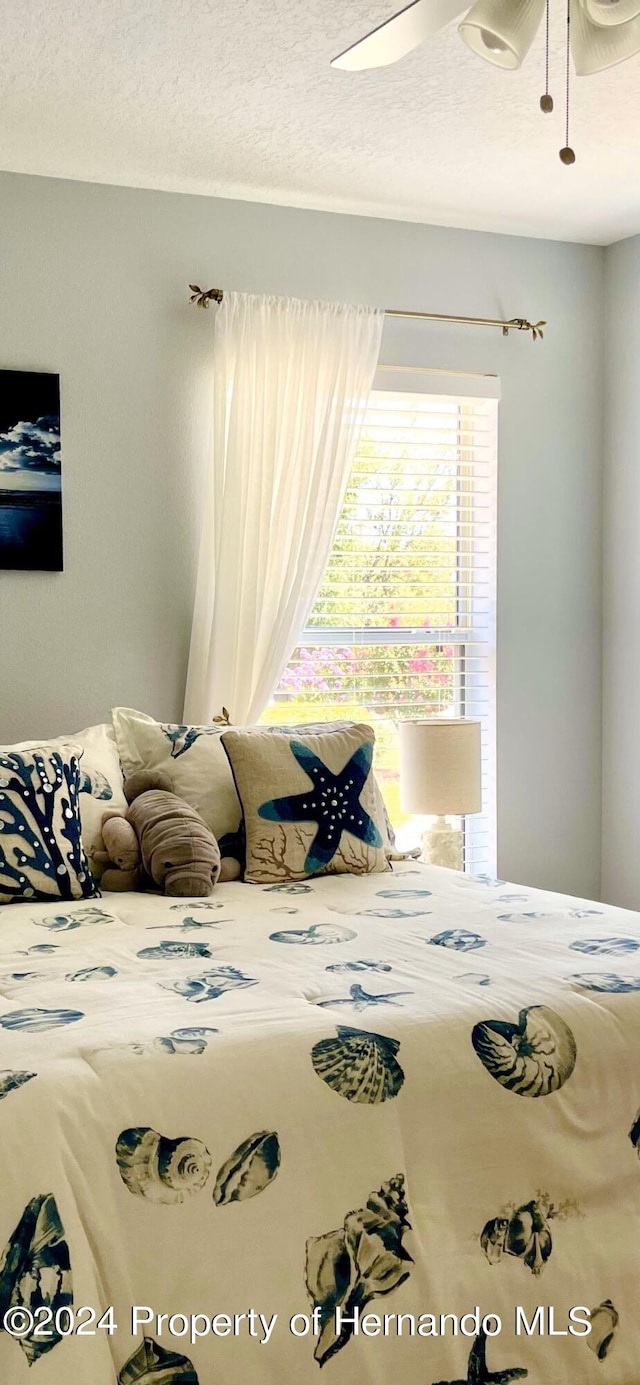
(404, 622)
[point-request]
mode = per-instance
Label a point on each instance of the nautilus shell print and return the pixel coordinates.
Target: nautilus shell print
(249, 1170)
(161, 1169)
(316, 935)
(534, 1057)
(359, 1066)
(152, 1364)
(604, 1321)
(525, 1235)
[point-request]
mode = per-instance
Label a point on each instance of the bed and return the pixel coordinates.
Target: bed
(294, 1126)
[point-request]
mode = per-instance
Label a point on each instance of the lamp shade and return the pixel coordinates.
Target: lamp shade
(502, 31)
(597, 46)
(440, 766)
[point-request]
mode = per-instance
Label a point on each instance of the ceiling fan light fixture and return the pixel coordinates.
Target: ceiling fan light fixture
(598, 34)
(612, 12)
(595, 47)
(502, 31)
(493, 42)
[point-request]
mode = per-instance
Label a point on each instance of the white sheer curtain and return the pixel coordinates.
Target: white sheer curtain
(291, 381)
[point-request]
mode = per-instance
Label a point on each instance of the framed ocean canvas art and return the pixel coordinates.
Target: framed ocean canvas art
(30, 471)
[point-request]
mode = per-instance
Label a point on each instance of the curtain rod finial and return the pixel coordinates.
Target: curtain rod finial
(203, 297)
(520, 324)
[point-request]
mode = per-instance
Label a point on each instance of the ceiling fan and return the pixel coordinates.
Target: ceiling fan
(600, 34)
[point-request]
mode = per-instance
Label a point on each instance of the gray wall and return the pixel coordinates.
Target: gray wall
(621, 644)
(93, 283)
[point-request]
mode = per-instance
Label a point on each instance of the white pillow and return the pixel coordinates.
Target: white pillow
(192, 757)
(100, 779)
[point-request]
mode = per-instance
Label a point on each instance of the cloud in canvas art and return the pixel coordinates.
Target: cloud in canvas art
(32, 446)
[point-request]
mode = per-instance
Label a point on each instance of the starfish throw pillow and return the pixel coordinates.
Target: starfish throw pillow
(309, 803)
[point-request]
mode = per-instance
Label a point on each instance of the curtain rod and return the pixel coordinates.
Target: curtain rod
(203, 297)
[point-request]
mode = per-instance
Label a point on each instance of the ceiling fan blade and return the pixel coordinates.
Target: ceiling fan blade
(399, 35)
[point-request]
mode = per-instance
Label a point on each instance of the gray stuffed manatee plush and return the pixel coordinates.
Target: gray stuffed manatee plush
(177, 851)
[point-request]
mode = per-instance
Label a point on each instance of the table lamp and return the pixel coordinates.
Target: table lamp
(440, 775)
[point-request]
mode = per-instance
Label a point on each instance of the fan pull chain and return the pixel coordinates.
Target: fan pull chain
(567, 154)
(546, 101)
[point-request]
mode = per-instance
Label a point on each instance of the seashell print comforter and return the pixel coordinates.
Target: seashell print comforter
(296, 1126)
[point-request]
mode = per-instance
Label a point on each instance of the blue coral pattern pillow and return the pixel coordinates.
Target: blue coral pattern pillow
(41, 852)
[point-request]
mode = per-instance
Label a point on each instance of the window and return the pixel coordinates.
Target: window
(404, 622)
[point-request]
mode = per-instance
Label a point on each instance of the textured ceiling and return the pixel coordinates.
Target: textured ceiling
(236, 98)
